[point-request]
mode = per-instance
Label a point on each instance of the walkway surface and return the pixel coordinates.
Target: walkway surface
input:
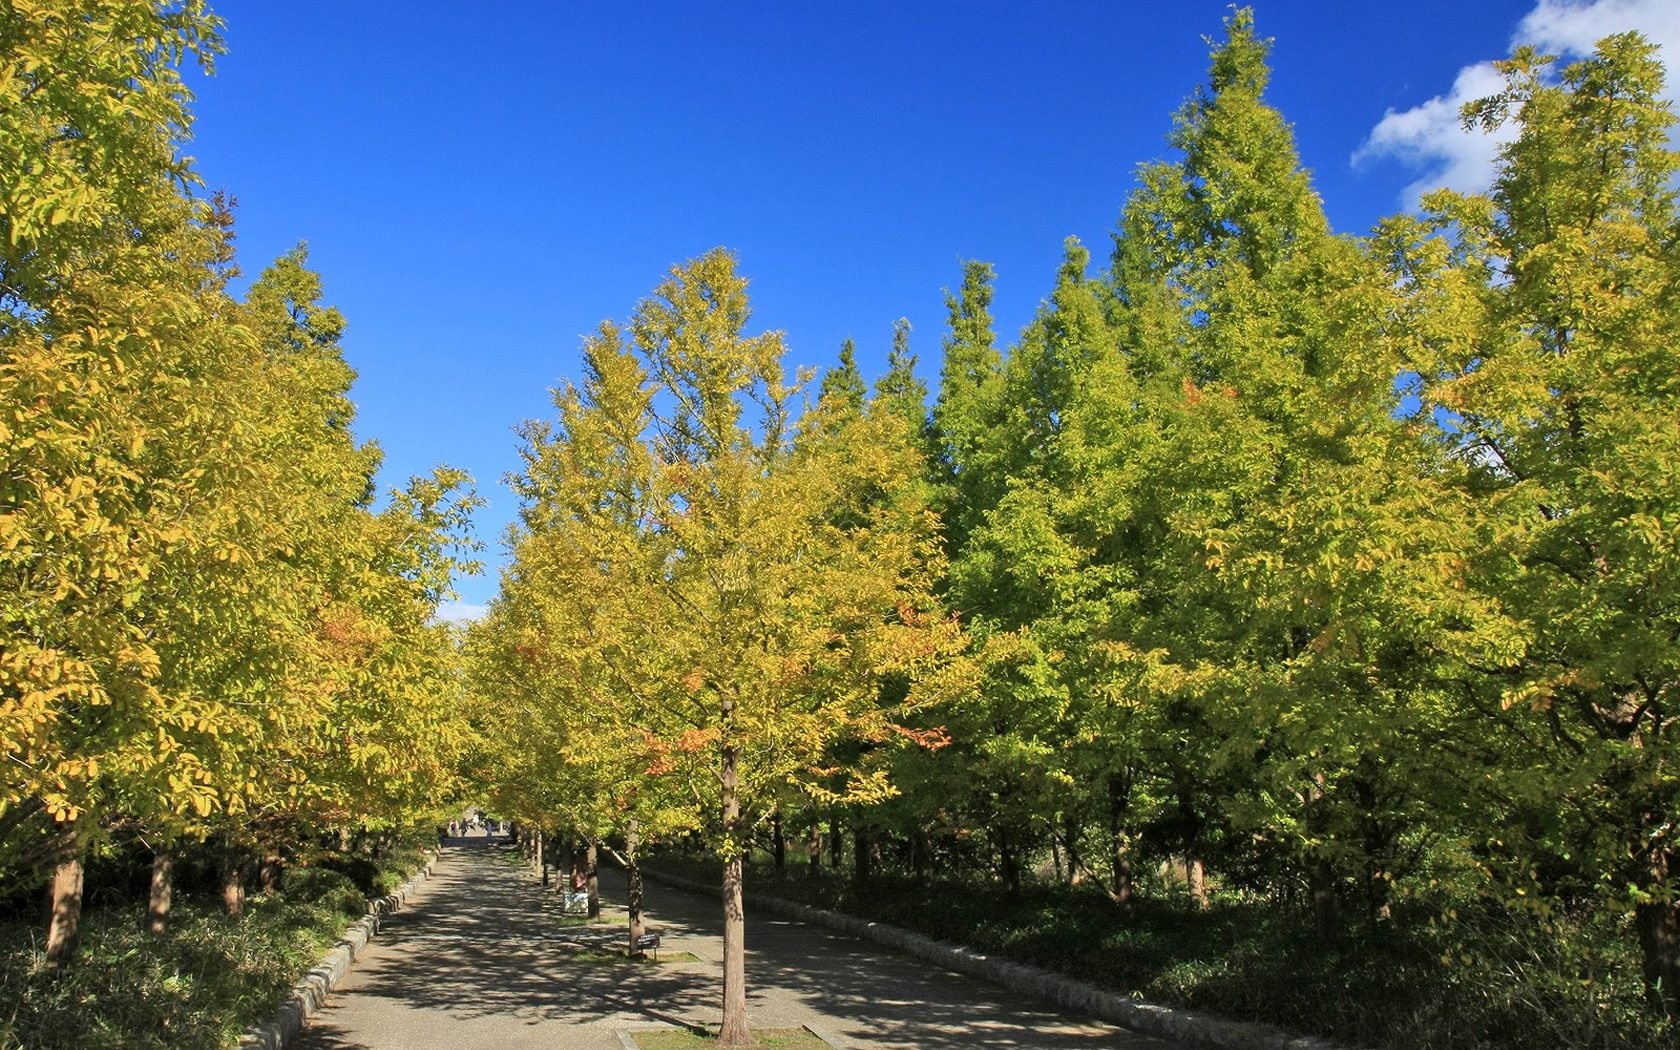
(479, 958)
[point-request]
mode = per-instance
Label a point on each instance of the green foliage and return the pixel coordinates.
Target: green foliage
(1328, 561)
(200, 985)
(696, 589)
(1490, 980)
(1337, 570)
(206, 627)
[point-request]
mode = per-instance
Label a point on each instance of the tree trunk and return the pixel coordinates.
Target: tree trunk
(834, 843)
(1196, 875)
(921, 854)
(1321, 877)
(1120, 838)
(233, 883)
(863, 854)
(1659, 943)
(734, 1030)
(591, 858)
(1070, 845)
(64, 925)
(269, 871)
(1658, 923)
(163, 891)
(778, 841)
(633, 881)
(813, 846)
(1008, 865)
(1378, 839)
(541, 860)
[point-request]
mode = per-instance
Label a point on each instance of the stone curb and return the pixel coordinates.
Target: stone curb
(1192, 1026)
(309, 994)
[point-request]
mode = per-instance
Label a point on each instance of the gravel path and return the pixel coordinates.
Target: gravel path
(479, 959)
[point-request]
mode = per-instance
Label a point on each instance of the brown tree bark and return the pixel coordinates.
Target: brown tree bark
(1321, 876)
(1658, 923)
(233, 883)
(1009, 867)
(591, 859)
(1378, 838)
(1196, 875)
(633, 880)
(270, 870)
(813, 846)
(1321, 879)
(834, 843)
(734, 1030)
(538, 859)
(162, 894)
(778, 841)
(1070, 845)
(1120, 838)
(863, 854)
(65, 899)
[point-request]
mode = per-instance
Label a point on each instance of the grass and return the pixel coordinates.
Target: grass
(684, 1039)
(1486, 981)
(197, 987)
(602, 955)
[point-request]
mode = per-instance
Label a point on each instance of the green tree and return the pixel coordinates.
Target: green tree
(1554, 383)
(844, 381)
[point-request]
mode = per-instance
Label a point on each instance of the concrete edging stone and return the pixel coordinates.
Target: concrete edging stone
(1193, 1026)
(308, 995)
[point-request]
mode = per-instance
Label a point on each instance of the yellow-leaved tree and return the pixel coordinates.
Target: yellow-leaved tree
(206, 628)
(727, 593)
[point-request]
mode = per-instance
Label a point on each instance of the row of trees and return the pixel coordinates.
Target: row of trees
(1327, 565)
(209, 629)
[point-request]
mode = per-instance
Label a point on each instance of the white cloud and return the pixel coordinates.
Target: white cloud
(1574, 28)
(461, 612)
(1431, 137)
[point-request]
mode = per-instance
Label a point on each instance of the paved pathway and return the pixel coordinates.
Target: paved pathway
(479, 960)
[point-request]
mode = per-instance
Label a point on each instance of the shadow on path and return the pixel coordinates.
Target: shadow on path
(486, 958)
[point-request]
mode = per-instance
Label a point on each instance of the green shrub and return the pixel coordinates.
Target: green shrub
(200, 985)
(327, 887)
(1476, 978)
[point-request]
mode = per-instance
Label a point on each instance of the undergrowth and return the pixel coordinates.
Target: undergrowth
(196, 987)
(1486, 980)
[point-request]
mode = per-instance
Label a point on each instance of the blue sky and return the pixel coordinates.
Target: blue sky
(480, 185)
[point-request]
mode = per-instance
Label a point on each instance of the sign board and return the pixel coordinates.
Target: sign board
(646, 941)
